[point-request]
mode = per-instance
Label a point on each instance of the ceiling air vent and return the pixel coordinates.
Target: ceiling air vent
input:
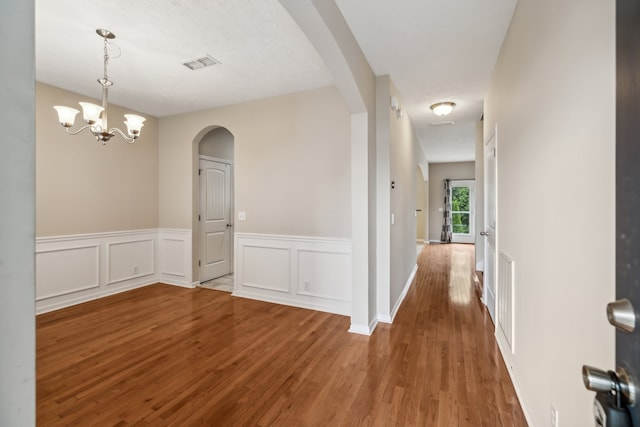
(450, 122)
(198, 63)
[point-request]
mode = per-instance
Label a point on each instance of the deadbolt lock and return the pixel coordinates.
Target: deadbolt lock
(622, 315)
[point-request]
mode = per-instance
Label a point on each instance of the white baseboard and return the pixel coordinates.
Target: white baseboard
(434, 241)
(505, 353)
(384, 318)
(318, 306)
(404, 292)
(306, 272)
(179, 283)
(364, 329)
(78, 268)
(47, 306)
(388, 318)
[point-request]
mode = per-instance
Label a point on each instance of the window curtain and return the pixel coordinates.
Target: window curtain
(445, 236)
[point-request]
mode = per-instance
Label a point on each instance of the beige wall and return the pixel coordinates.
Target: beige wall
(403, 169)
(291, 167)
(397, 162)
(327, 30)
(552, 97)
(217, 143)
(85, 187)
(437, 173)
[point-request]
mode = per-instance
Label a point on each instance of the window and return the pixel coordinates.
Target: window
(463, 211)
(460, 209)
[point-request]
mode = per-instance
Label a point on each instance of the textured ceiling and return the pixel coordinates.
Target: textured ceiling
(262, 51)
(433, 51)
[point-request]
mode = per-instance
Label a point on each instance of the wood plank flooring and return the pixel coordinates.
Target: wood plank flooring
(169, 356)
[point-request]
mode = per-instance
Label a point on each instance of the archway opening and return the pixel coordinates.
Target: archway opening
(214, 231)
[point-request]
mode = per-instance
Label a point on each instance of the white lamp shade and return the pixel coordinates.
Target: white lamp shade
(66, 115)
(134, 123)
(442, 108)
(91, 112)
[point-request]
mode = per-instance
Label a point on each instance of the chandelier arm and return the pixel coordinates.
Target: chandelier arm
(129, 139)
(79, 130)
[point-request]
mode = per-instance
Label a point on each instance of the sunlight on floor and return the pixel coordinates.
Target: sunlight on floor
(460, 283)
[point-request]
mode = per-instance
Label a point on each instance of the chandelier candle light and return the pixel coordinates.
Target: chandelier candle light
(95, 116)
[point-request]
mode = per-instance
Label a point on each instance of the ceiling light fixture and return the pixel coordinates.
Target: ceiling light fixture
(95, 116)
(442, 108)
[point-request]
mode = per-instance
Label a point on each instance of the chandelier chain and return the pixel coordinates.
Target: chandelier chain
(106, 59)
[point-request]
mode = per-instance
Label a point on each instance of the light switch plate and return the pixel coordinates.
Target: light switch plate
(242, 216)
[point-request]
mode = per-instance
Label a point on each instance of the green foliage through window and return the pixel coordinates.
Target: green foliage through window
(460, 210)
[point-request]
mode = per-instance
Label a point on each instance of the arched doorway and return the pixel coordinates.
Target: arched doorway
(215, 209)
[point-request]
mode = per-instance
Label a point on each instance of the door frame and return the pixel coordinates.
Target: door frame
(231, 213)
(471, 237)
(627, 237)
(485, 289)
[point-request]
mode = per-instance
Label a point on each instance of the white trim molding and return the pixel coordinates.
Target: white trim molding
(78, 268)
(404, 292)
(306, 272)
(174, 257)
(388, 318)
(364, 330)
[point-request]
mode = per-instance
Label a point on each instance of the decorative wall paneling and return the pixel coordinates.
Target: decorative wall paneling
(307, 272)
(78, 268)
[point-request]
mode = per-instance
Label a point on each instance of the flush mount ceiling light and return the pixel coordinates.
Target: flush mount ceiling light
(95, 116)
(442, 108)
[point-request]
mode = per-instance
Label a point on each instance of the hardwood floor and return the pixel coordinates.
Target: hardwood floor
(169, 356)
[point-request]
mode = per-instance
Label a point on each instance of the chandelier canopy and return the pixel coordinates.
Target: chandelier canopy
(95, 116)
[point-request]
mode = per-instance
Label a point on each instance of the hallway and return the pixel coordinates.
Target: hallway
(163, 355)
(464, 381)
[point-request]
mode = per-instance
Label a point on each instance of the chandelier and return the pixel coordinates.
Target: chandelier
(95, 116)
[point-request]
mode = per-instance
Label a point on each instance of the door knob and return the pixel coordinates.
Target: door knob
(597, 380)
(622, 315)
(604, 382)
(484, 233)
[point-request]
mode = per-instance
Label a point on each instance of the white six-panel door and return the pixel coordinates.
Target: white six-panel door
(215, 219)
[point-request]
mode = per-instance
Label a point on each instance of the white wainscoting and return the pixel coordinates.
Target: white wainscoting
(305, 272)
(78, 268)
(175, 257)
